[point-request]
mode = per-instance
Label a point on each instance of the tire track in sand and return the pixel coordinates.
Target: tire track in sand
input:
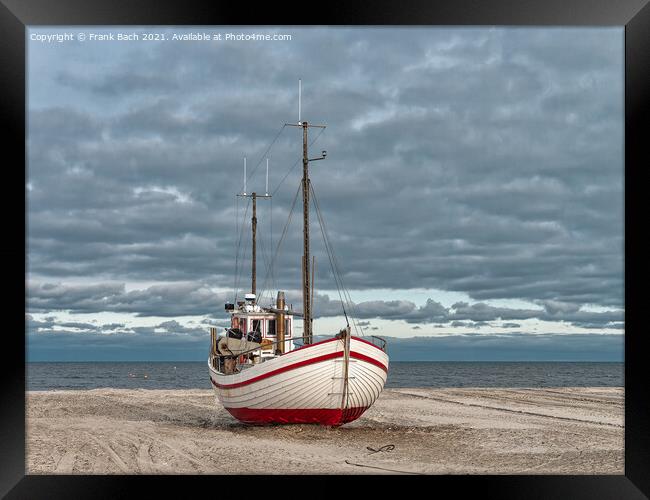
(111, 453)
(509, 410)
(144, 460)
(565, 399)
(198, 464)
(67, 461)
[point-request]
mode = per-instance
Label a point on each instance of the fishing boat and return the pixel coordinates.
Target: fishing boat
(263, 373)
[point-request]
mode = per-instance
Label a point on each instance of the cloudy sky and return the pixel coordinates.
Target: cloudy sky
(473, 187)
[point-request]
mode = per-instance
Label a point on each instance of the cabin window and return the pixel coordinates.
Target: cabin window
(242, 325)
(287, 327)
(271, 328)
(256, 326)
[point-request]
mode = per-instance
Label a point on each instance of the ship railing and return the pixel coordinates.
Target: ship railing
(377, 341)
(241, 359)
(218, 360)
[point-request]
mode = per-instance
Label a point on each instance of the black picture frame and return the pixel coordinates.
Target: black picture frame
(16, 15)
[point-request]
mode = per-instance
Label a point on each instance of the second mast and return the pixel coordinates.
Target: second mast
(306, 289)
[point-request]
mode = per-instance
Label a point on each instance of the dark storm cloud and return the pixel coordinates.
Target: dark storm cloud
(189, 299)
(485, 161)
(479, 314)
(184, 299)
(127, 81)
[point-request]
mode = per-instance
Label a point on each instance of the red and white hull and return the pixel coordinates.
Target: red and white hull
(306, 385)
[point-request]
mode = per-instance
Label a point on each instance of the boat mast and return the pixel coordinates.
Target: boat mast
(254, 251)
(306, 296)
(254, 197)
(306, 291)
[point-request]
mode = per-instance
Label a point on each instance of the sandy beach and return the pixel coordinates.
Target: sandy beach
(407, 431)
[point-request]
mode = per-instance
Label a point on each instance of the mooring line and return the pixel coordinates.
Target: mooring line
(387, 447)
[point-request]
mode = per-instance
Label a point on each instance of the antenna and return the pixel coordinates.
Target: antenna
(299, 100)
(267, 177)
(244, 175)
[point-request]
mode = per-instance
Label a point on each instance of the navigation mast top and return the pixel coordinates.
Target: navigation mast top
(306, 293)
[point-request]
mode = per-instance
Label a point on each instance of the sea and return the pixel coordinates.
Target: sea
(44, 376)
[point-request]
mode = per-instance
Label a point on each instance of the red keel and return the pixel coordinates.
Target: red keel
(323, 416)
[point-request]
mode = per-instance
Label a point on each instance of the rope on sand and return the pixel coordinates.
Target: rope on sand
(388, 447)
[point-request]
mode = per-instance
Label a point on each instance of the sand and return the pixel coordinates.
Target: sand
(407, 431)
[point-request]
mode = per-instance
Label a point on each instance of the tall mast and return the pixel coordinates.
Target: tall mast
(254, 252)
(306, 292)
(306, 296)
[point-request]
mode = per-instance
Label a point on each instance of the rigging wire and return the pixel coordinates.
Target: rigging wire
(277, 250)
(264, 155)
(346, 292)
(284, 233)
(266, 258)
(329, 254)
(271, 270)
(271, 247)
(244, 259)
(335, 265)
(338, 279)
(270, 275)
(296, 163)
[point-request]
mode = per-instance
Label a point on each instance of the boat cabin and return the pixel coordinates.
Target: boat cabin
(262, 324)
(255, 334)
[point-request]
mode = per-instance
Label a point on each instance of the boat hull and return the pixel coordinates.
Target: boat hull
(307, 385)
